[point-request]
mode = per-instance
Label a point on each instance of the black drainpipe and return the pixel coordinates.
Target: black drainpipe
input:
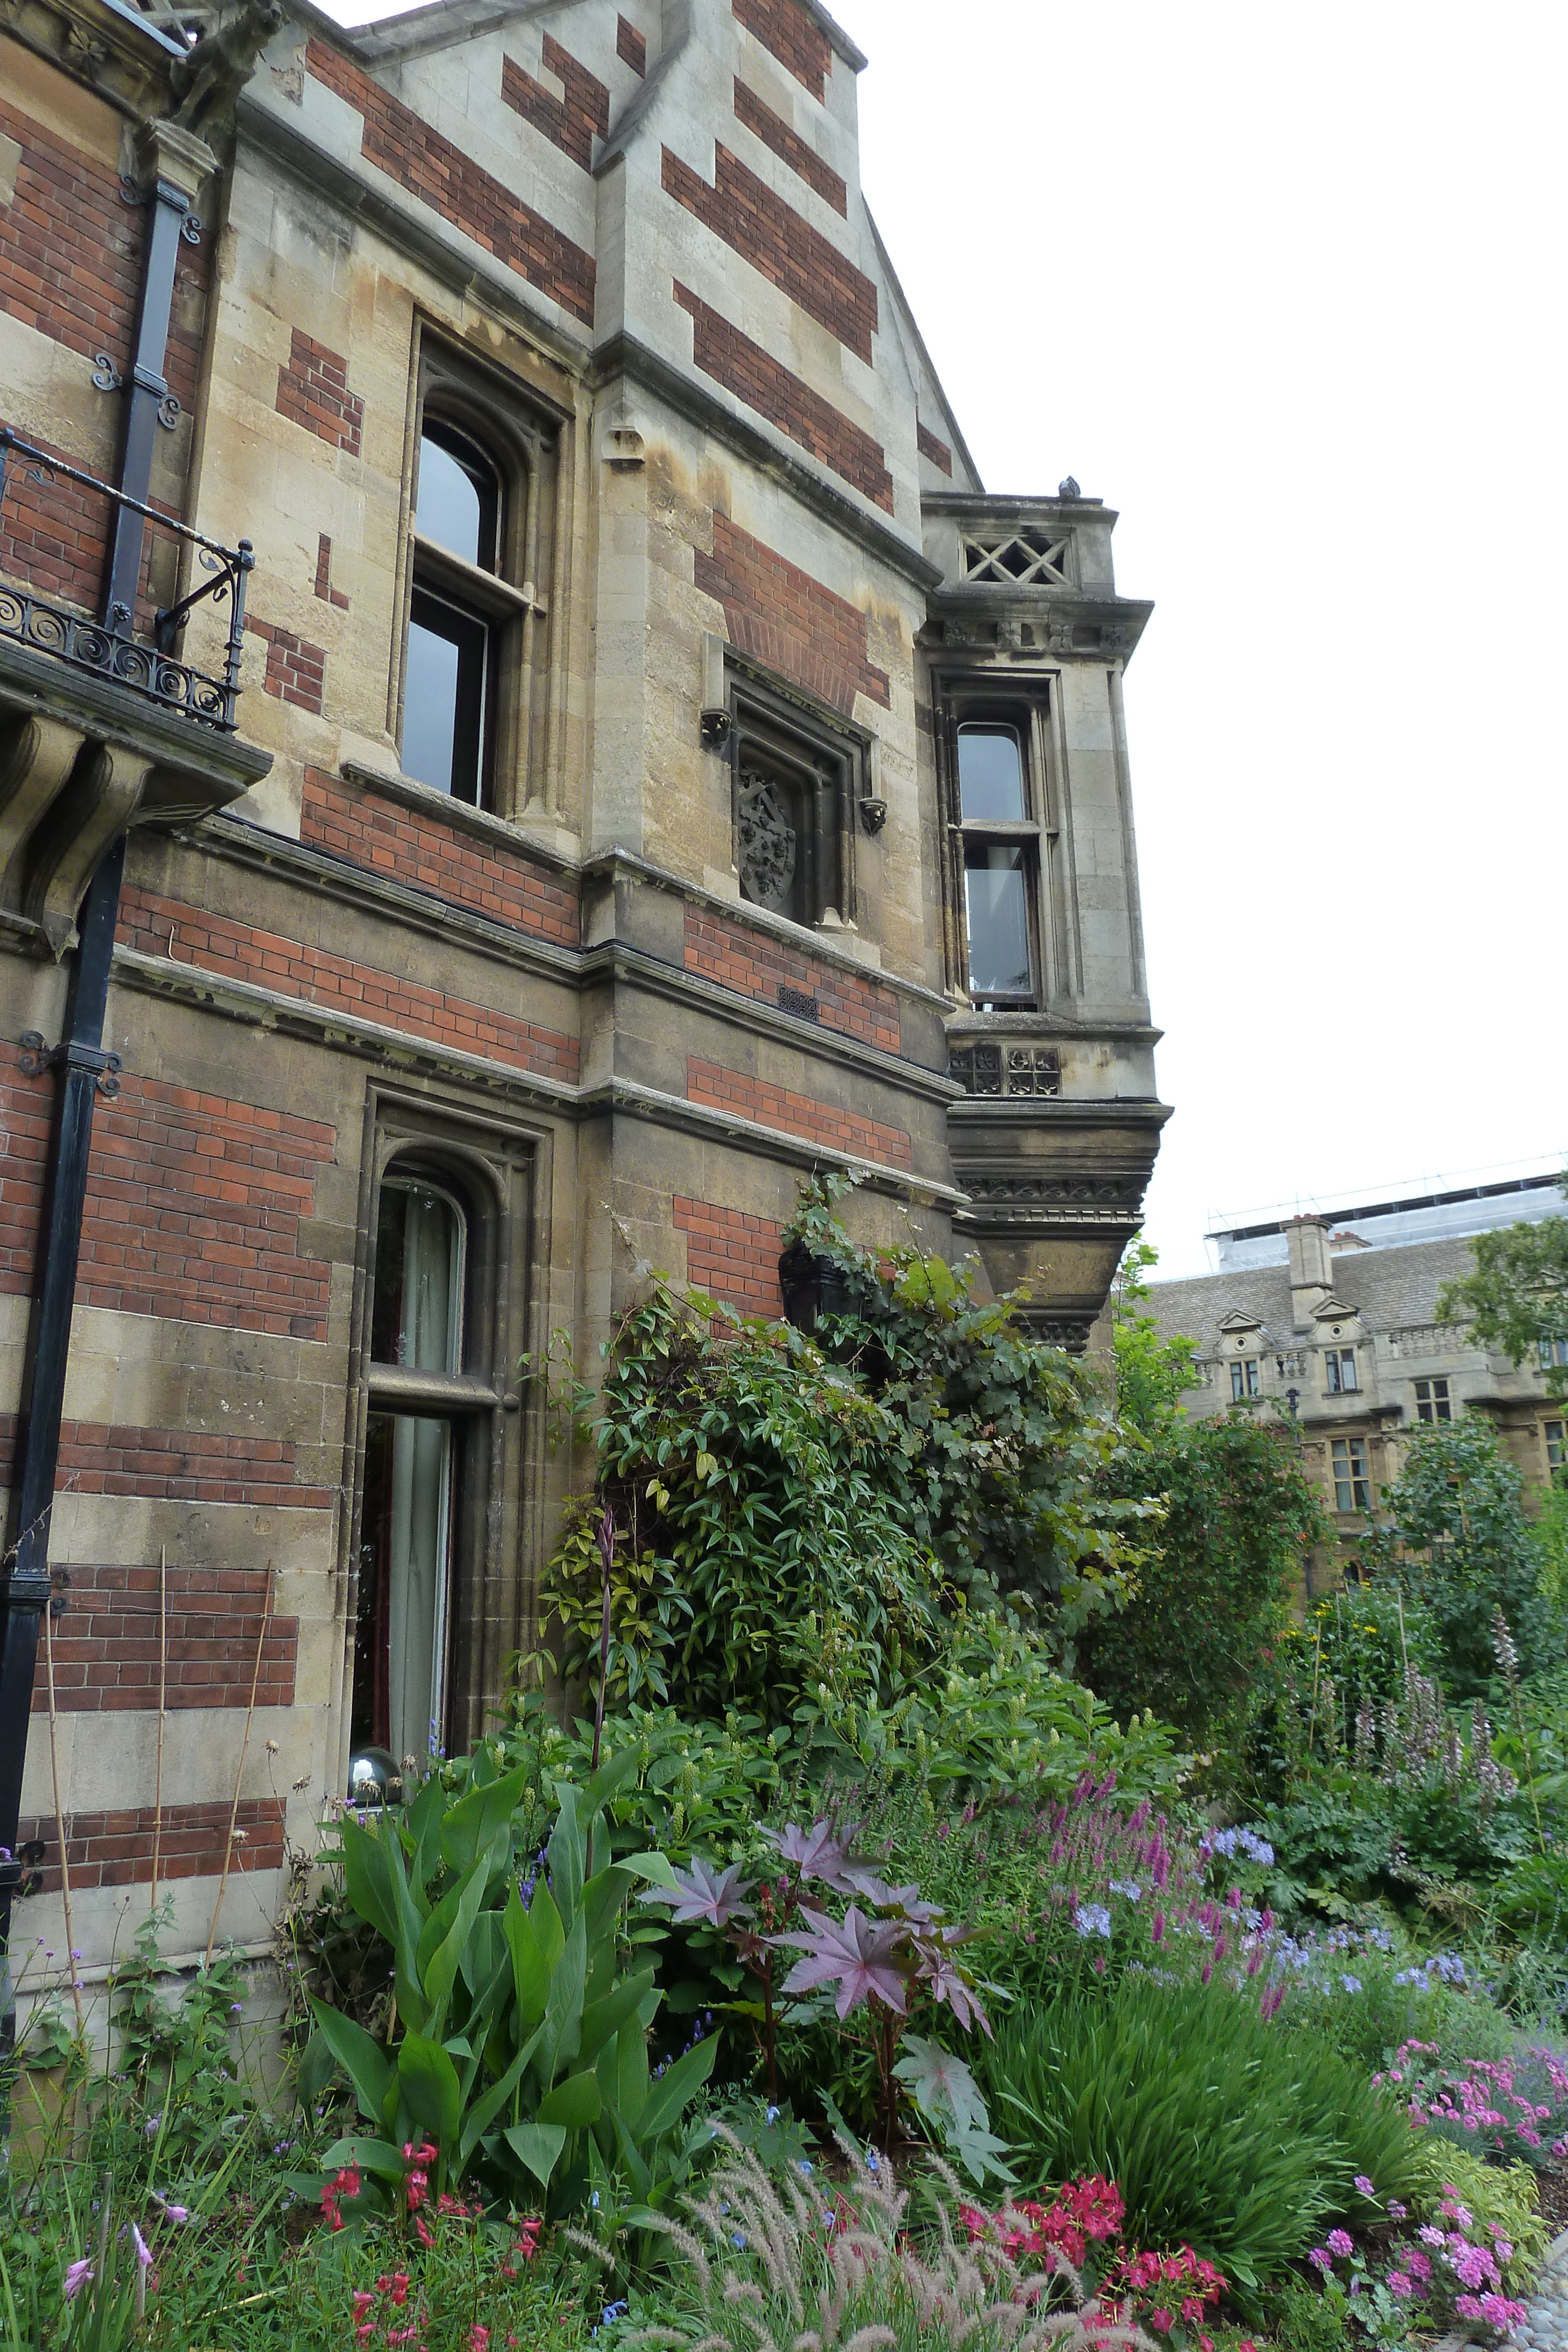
(83, 1065)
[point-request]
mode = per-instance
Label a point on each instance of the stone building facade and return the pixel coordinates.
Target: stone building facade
(1331, 1322)
(658, 769)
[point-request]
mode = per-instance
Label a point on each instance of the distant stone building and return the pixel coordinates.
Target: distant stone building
(650, 767)
(1331, 1322)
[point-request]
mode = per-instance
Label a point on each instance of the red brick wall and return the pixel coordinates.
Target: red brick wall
(753, 375)
(754, 963)
(801, 157)
(941, 457)
(793, 37)
(54, 536)
(356, 825)
(116, 1849)
(630, 47)
(106, 1642)
(397, 142)
(341, 984)
(764, 230)
(313, 391)
(770, 1106)
(193, 1208)
(572, 123)
(733, 1257)
(26, 1106)
(295, 670)
(780, 616)
(70, 249)
(182, 1465)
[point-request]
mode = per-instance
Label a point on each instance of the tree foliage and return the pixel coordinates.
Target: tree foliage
(1517, 1296)
(1457, 1537)
(1240, 1516)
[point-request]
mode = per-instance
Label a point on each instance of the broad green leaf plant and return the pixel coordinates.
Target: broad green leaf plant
(519, 2048)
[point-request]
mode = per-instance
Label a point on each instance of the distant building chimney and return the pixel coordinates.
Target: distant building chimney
(1311, 1270)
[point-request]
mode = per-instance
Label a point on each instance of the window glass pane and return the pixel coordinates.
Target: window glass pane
(997, 905)
(990, 774)
(400, 1634)
(416, 1309)
(1235, 1383)
(443, 713)
(459, 497)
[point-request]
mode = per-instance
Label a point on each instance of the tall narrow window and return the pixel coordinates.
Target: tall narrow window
(1352, 1487)
(1556, 1454)
(1001, 850)
(411, 1468)
(1338, 1368)
(451, 675)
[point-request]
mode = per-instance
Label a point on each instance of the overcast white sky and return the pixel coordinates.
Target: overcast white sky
(1285, 285)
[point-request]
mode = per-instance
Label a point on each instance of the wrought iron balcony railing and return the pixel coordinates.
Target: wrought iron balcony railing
(109, 649)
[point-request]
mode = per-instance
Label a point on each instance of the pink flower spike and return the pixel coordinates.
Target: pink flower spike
(78, 2275)
(143, 2251)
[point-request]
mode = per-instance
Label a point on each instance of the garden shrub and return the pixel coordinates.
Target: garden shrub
(1219, 2130)
(1502, 2199)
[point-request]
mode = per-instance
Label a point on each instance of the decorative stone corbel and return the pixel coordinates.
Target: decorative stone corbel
(100, 799)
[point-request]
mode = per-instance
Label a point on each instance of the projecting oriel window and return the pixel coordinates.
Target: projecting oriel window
(1352, 1487)
(1433, 1402)
(410, 1478)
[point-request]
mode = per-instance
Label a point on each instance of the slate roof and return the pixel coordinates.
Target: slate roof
(1389, 1288)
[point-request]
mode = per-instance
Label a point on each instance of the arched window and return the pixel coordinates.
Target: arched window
(451, 673)
(412, 1468)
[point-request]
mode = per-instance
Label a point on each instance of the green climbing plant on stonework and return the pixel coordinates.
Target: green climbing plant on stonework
(788, 1507)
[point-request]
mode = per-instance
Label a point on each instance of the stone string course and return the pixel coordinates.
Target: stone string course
(795, 1113)
(754, 963)
(343, 985)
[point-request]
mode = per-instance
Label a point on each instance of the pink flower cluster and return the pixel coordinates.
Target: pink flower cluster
(1158, 2288)
(392, 2289)
(1090, 2208)
(1483, 2095)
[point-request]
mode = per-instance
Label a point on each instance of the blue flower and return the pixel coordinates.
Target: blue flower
(1091, 1919)
(1127, 1886)
(1351, 1984)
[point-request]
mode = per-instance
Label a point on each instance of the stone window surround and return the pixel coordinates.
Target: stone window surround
(499, 1170)
(499, 411)
(1026, 700)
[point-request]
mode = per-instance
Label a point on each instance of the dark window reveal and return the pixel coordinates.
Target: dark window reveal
(405, 1540)
(451, 673)
(1002, 861)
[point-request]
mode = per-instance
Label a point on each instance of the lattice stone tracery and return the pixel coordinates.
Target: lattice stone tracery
(1021, 559)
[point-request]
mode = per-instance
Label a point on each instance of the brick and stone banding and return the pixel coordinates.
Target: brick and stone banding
(772, 236)
(780, 615)
(755, 963)
(790, 148)
(343, 985)
(731, 1256)
(109, 1660)
(426, 852)
(795, 1113)
(572, 124)
(630, 47)
(295, 670)
(107, 1849)
(936, 452)
(720, 350)
(793, 37)
(412, 152)
(195, 1204)
(313, 391)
